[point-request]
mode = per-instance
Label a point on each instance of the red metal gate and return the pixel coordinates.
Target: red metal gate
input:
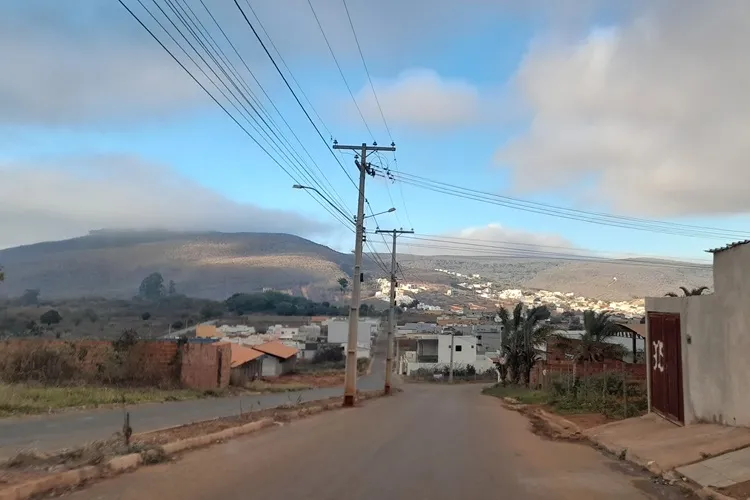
(665, 365)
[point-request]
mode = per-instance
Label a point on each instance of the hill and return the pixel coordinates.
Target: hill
(214, 265)
(635, 278)
(208, 265)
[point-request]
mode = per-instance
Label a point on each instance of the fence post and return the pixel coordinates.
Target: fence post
(624, 392)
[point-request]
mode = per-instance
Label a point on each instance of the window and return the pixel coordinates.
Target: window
(479, 337)
(458, 348)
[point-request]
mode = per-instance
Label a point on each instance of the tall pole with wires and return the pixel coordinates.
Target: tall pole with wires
(391, 309)
(350, 377)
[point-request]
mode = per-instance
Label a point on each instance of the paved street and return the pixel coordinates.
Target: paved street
(64, 430)
(432, 442)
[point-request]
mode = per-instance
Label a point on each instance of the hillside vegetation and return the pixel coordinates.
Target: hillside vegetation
(204, 265)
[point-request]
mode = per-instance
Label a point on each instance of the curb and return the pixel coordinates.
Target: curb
(124, 463)
(72, 478)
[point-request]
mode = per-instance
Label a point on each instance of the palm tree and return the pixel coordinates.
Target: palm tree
(522, 336)
(593, 346)
(688, 292)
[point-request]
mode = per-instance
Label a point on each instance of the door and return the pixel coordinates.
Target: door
(665, 365)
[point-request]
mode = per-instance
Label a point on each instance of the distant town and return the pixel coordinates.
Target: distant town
(475, 288)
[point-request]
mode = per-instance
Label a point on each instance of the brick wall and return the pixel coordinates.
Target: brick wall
(153, 363)
(206, 366)
(633, 371)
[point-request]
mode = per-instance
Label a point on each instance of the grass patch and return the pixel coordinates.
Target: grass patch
(26, 399)
(263, 386)
(522, 394)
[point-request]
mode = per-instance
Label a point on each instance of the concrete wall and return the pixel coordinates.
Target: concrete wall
(338, 331)
(465, 352)
(715, 341)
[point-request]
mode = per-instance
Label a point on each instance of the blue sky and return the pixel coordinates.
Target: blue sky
(580, 107)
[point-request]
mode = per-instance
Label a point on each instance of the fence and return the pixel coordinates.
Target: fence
(613, 388)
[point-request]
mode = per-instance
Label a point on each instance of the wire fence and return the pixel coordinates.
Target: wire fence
(617, 390)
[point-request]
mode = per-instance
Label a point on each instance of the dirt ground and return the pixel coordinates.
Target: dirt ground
(739, 490)
(586, 420)
(326, 379)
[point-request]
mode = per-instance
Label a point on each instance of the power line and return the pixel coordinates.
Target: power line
(203, 87)
(268, 97)
(367, 71)
(286, 82)
(661, 227)
(202, 40)
(341, 72)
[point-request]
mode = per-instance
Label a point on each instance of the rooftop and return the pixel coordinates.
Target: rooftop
(276, 349)
(729, 246)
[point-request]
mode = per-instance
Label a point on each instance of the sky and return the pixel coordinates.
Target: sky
(636, 109)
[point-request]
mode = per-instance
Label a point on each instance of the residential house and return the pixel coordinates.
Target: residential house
(433, 351)
(698, 368)
(489, 336)
(279, 359)
(338, 330)
(246, 365)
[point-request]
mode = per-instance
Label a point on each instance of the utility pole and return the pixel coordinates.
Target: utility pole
(350, 376)
(392, 309)
(453, 348)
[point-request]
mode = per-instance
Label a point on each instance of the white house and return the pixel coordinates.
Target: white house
(433, 351)
(338, 330)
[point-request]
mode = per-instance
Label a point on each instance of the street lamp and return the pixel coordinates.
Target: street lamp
(381, 213)
(310, 188)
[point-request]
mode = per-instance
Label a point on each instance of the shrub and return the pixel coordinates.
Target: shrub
(328, 355)
(39, 363)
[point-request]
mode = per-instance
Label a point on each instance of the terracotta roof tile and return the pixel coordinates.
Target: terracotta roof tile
(242, 354)
(277, 349)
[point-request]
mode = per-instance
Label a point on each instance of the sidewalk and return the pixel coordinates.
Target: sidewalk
(710, 455)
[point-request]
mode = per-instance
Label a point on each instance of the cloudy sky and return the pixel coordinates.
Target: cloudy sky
(635, 109)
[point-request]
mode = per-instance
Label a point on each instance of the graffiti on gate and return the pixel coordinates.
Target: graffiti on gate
(659, 363)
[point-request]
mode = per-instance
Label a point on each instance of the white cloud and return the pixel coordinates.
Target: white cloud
(43, 202)
(421, 98)
(492, 240)
(654, 112)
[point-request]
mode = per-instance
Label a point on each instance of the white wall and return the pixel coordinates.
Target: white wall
(715, 342)
(465, 351)
(338, 331)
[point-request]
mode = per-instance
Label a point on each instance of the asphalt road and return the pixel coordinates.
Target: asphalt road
(71, 429)
(430, 442)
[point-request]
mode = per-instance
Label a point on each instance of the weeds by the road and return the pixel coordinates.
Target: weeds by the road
(273, 387)
(25, 399)
(606, 394)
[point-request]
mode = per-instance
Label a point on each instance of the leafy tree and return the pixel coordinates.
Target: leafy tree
(51, 317)
(30, 297)
(343, 284)
(211, 310)
(688, 292)
(152, 287)
(91, 315)
(523, 334)
(33, 329)
(2, 274)
(146, 316)
(178, 325)
(172, 288)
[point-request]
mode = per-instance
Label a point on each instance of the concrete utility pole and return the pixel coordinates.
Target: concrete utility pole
(453, 348)
(350, 377)
(392, 309)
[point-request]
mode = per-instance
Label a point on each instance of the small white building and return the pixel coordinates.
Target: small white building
(433, 351)
(338, 330)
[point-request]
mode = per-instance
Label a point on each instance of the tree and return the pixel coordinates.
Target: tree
(30, 297)
(343, 284)
(523, 335)
(211, 310)
(51, 317)
(2, 274)
(152, 287)
(33, 329)
(146, 316)
(593, 345)
(172, 288)
(688, 292)
(177, 325)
